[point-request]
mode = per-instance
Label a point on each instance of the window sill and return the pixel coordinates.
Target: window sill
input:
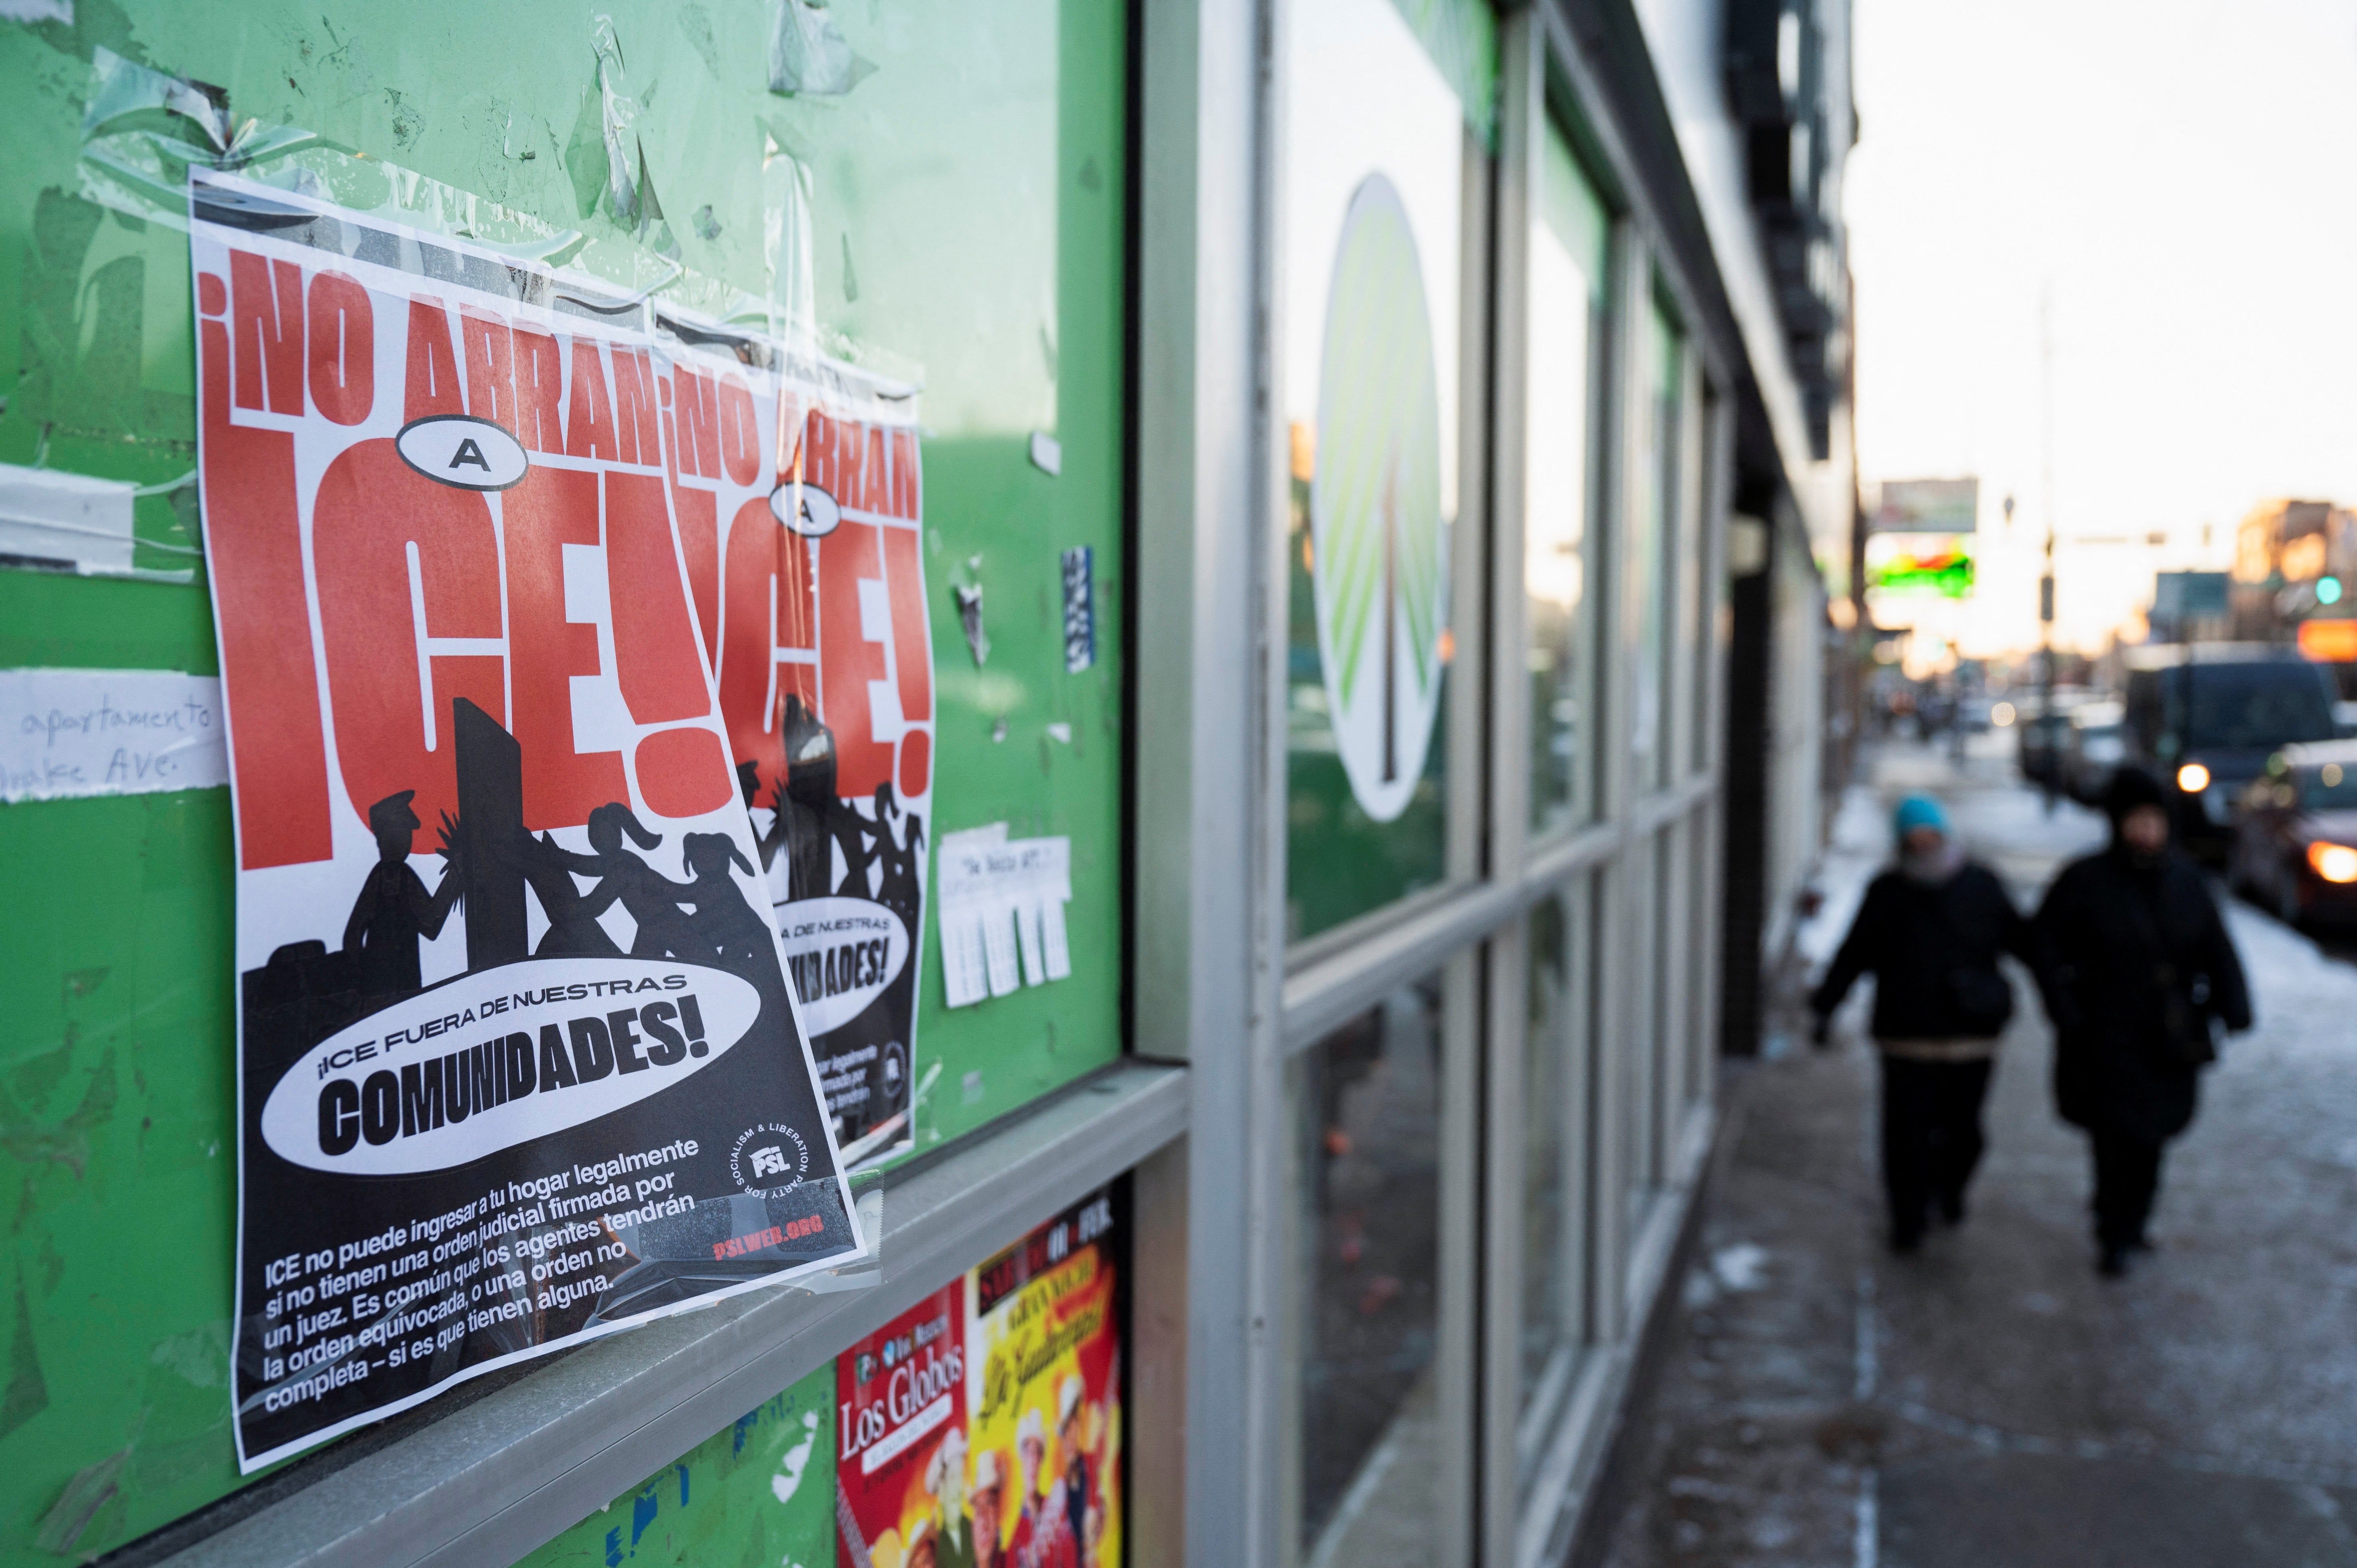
(495, 1478)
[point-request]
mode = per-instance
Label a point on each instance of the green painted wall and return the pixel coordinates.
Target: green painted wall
(964, 201)
(759, 1493)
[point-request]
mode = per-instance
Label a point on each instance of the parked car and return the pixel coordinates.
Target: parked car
(2207, 716)
(2092, 752)
(2041, 730)
(2038, 751)
(2294, 843)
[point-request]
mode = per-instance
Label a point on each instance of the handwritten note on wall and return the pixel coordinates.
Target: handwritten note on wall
(68, 734)
(1002, 912)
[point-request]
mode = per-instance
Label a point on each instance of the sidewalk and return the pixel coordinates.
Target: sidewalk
(1989, 1402)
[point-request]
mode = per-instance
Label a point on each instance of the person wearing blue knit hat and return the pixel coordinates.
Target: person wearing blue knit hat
(1930, 931)
(1918, 812)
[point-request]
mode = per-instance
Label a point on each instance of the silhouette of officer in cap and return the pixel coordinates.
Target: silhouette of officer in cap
(394, 910)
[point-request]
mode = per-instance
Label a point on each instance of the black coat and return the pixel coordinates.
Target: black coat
(2107, 931)
(1915, 939)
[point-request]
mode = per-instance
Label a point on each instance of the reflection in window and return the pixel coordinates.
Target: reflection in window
(1366, 1284)
(1553, 1198)
(1708, 587)
(1570, 253)
(1653, 534)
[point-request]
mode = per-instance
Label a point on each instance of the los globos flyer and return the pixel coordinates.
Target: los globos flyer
(983, 1428)
(525, 593)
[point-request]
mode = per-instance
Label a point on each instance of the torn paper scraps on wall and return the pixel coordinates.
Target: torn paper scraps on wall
(808, 53)
(1002, 900)
(70, 734)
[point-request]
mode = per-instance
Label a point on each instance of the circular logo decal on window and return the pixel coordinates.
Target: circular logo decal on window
(1378, 546)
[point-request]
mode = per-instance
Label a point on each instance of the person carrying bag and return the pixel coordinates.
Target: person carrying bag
(2139, 972)
(1930, 931)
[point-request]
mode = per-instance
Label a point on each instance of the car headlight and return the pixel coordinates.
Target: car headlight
(2333, 862)
(2194, 778)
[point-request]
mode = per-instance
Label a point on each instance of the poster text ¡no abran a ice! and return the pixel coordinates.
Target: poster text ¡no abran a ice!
(799, 490)
(519, 1062)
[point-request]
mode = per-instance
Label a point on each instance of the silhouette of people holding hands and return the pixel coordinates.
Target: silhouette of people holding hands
(394, 910)
(724, 924)
(651, 899)
(549, 868)
(900, 853)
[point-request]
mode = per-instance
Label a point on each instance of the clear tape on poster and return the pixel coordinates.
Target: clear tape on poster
(135, 167)
(142, 130)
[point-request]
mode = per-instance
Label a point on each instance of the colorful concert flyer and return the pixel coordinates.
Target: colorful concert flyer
(1043, 1396)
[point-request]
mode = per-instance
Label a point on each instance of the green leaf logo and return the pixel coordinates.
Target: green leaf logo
(1379, 548)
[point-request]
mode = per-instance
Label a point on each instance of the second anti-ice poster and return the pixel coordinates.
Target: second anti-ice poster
(800, 493)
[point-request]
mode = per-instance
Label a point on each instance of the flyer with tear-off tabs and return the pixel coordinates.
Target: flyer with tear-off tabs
(518, 1058)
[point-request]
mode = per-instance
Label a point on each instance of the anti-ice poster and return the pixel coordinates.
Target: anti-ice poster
(808, 576)
(519, 1060)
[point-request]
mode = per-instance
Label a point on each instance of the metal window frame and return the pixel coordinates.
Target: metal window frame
(1318, 984)
(1203, 989)
(1341, 973)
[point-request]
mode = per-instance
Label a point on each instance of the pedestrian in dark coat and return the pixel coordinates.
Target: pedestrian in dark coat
(2137, 965)
(1930, 932)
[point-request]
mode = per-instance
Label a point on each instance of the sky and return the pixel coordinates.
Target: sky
(2178, 178)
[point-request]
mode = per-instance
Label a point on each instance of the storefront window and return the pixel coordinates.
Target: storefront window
(1653, 535)
(1366, 1249)
(1569, 299)
(1375, 163)
(1708, 587)
(1554, 1199)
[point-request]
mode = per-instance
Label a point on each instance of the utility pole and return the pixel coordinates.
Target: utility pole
(2046, 582)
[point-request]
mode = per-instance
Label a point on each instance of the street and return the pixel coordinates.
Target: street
(1989, 1401)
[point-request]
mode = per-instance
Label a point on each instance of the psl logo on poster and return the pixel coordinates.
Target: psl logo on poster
(1379, 565)
(799, 491)
(512, 999)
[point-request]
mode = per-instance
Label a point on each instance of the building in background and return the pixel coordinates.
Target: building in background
(1387, 482)
(2295, 566)
(1765, 117)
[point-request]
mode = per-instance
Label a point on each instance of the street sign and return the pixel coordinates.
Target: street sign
(2188, 595)
(1926, 506)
